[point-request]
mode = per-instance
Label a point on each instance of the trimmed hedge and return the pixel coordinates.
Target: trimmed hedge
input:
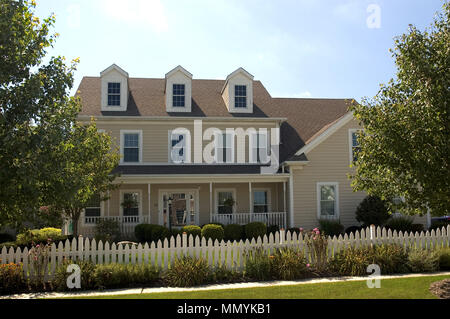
(234, 232)
(331, 227)
(272, 229)
(255, 230)
(372, 210)
(213, 231)
(40, 236)
(193, 230)
(5, 237)
(151, 232)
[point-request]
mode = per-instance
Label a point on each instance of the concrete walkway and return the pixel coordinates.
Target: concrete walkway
(209, 287)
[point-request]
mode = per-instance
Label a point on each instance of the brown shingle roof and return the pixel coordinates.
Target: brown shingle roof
(306, 117)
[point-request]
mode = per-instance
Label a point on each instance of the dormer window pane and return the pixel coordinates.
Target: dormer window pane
(113, 94)
(240, 96)
(178, 95)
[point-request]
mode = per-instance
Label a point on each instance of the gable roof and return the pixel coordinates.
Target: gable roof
(306, 117)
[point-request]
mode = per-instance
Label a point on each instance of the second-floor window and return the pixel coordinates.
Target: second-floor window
(178, 150)
(131, 147)
(259, 145)
(240, 96)
(354, 145)
(113, 94)
(225, 148)
(178, 95)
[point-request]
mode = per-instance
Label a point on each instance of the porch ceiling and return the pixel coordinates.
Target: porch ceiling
(193, 178)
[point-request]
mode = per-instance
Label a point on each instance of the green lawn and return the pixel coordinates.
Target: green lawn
(403, 288)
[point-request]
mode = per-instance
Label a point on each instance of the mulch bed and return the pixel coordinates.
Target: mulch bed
(441, 289)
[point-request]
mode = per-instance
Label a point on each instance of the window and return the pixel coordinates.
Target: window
(130, 204)
(224, 201)
(354, 145)
(178, 150)
(259, 144)
(240, 96)
(93, 208)
(327, 200)
(131, 149)
(261, 201)
(225, 148)
(113, 94)
(178, 95)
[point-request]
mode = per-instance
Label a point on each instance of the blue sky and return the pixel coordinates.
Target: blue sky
(298, 48)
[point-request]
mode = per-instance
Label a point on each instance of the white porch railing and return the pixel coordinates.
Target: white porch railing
(278, 218)
(126, 224)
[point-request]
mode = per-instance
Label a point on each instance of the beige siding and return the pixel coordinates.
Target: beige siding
(156, 135)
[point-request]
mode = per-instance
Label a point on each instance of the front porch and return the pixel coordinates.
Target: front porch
(174, 203)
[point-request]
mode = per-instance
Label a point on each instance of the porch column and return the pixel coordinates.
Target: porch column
(149, 203)
(210, 203)
(250, 200)
(109, 195)
(284, 197)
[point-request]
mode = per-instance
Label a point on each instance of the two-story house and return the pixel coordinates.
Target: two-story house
(195, 151)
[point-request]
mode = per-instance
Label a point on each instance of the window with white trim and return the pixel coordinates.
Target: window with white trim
(130, 204)
(354, 145)
(178, 95)
(327, 200)
(240, 96)
(261, 201)
(259, 145)
(93, 207)
(225, 147)
(178, 148)
(224, 199)
(113, 94)
(131, 147)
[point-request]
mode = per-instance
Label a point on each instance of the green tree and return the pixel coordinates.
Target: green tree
(405, 145)
(38, 119)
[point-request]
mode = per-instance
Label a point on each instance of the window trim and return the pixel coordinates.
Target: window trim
(252, 135)
(216, 198)
(102, 213)
(241, 96)
(140, 208)
(269, 198)
(336, 201)
(122, 145)
(187, 152)
(113, 94)
(350, 143)
(216, 146)
(184, 96)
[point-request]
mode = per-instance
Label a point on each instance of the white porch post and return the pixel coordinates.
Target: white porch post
(284, 197)
(210, 203)
(109, 195)
(250, 200)
(149, 203)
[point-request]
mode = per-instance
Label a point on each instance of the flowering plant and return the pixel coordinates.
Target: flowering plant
(39, 257)
(318, 249)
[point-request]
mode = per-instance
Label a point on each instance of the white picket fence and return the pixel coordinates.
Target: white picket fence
(231, 254)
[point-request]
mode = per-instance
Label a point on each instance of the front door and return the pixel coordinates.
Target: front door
(178, 208)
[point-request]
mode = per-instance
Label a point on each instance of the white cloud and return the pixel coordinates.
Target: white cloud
(141, 12)
(304, 94)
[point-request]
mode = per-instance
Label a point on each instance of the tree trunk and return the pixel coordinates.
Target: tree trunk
(75, 217)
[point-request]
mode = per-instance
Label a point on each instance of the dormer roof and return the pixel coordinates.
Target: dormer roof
(179, 68)
(239, 70)
(114, 67)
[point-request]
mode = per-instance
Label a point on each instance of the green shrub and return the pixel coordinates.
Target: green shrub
(193, 230)
(124, 275)
(257, 265)
(174, 232)
(372, 210)
(293, 230)
(87, 269)
(255, 230)
(272, 229)
(158, 232)
(234, 232)
(423, 260)
(187, 272)
(213, 231)
(400, 223)
(222, 274)
(331, 227)
(354, 261)
(288, 264)
(40, 236)
(5, 237)
(444, 258)
(12, 279)
(107, 230)
(140, 232)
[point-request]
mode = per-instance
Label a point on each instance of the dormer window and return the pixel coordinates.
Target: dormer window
(113, 94)
(240, 96)
(178, 95)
